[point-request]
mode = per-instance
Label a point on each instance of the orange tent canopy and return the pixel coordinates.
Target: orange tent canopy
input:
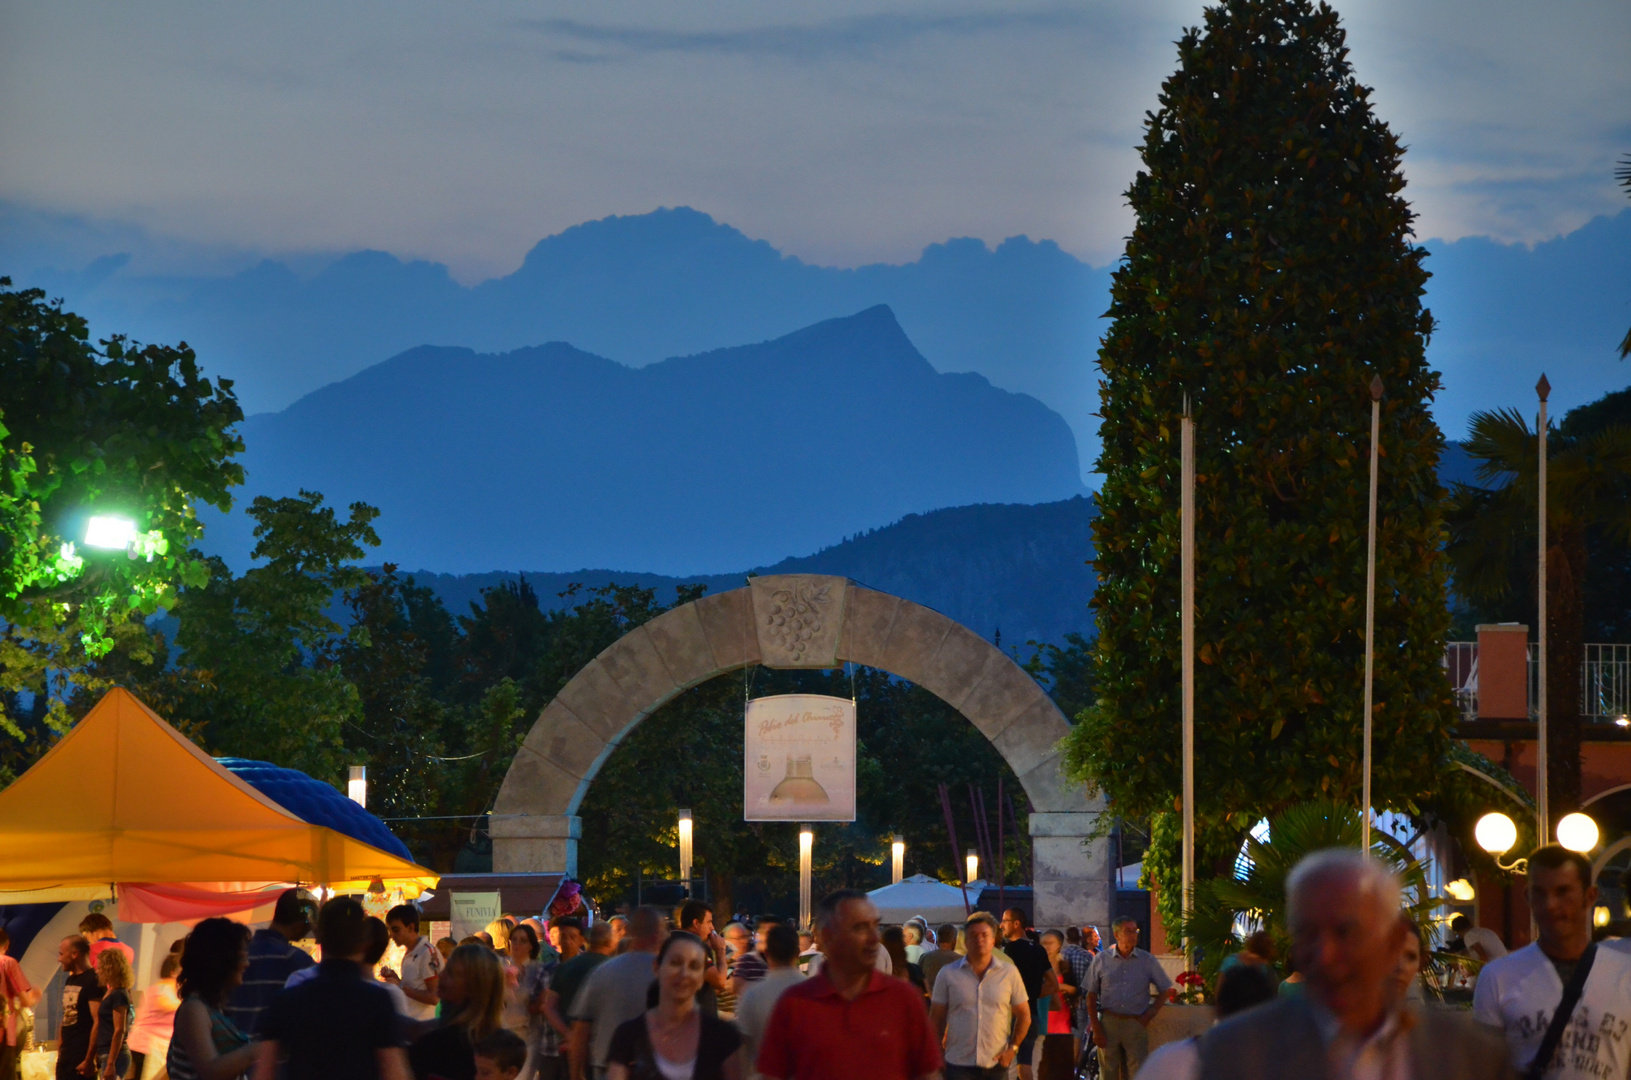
(126, 797)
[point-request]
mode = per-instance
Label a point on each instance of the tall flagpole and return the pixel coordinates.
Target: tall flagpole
(1186, 514)
(1370, 596)
(1542, 810)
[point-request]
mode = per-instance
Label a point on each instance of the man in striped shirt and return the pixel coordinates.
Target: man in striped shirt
(272, 959)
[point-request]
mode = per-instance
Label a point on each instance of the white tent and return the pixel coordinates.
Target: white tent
(923, 895)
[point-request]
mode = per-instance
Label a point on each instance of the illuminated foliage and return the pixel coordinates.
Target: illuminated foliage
(110, 428)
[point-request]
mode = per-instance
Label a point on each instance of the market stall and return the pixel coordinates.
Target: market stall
(923, 895)
(126, 810)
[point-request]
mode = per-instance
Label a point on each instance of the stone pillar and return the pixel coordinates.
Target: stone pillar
(1503, 671)
(1071, 874)
(535, 843)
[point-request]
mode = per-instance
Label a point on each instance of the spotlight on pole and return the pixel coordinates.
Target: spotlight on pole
(356, 787)
(109, 532)
(897, 855)
(806, 857)
(685, 851)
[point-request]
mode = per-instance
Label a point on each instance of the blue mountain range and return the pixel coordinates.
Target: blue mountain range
(674, 282)
(553, 458)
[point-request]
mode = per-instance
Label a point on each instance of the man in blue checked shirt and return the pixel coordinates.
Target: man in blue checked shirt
(1119, 1007)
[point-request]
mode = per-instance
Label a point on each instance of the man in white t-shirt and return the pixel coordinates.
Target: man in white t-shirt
(1518, 993)
(421, 963)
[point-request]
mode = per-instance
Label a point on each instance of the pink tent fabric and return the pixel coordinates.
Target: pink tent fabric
(146, 903)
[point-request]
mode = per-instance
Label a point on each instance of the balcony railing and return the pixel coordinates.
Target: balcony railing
(1605, 681)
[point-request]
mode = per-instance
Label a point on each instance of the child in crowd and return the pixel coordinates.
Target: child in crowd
(500, 1056)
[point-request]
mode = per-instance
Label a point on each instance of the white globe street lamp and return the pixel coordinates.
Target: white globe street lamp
(1496, 834)
(1577, 832)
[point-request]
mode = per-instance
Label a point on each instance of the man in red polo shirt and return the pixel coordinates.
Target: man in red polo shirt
(849, 1020)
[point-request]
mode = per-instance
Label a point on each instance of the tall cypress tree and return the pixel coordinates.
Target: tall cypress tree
(1269, 277)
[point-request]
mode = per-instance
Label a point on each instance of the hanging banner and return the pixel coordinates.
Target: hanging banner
(799, 762)
(472, 911)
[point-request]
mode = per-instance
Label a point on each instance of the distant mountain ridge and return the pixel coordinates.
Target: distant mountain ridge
(1016, 572)
(1011, 573)
(638, 288)
(551, 456)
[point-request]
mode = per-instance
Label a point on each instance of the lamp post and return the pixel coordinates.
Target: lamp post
(1542, 810)
(356, 786)
(897, 856)
(806, 853)
(1186, 601)
(685, 851)
(971, 864)
(1370, 599)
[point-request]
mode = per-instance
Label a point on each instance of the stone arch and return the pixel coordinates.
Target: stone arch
(534, 823)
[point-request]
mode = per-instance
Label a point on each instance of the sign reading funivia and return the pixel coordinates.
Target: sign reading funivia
(800, 759)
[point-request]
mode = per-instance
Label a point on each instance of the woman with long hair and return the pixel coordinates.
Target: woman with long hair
(893, 940)
(673, 1039)
(207, 1045)
(155, 1021)
(471, 990)
(524, 996)
(107, 1056)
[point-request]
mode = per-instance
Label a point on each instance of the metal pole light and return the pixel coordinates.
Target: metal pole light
(685, 851)
(1186, 603)
(897, 856)
(806, 853)
(971, 862)
(1370, 599)
(356, 785)
(1542, 810)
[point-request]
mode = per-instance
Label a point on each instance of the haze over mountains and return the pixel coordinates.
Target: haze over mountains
(1014, 572)
(550, 457)
(641, 288)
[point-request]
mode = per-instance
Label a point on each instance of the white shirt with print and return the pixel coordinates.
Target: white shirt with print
(421, 964)
(1519, 992)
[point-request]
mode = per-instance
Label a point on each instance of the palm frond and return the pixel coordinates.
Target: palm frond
(1504, 445)
(1488, 529)
(1258, 898)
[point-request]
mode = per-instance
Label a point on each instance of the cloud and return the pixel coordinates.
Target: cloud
(463, 133)
(850, 37)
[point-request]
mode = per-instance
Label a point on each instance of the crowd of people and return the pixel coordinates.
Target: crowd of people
(654, 995)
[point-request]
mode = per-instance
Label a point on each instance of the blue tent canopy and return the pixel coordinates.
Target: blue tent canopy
(316, 802)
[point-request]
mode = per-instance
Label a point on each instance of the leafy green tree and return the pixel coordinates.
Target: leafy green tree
(258, 648)
(86, 428)
(1492, 528)
(402, 723)
(1065, 671)
(1269, 276)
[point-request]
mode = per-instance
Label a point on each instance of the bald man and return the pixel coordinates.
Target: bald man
(1343, 912)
